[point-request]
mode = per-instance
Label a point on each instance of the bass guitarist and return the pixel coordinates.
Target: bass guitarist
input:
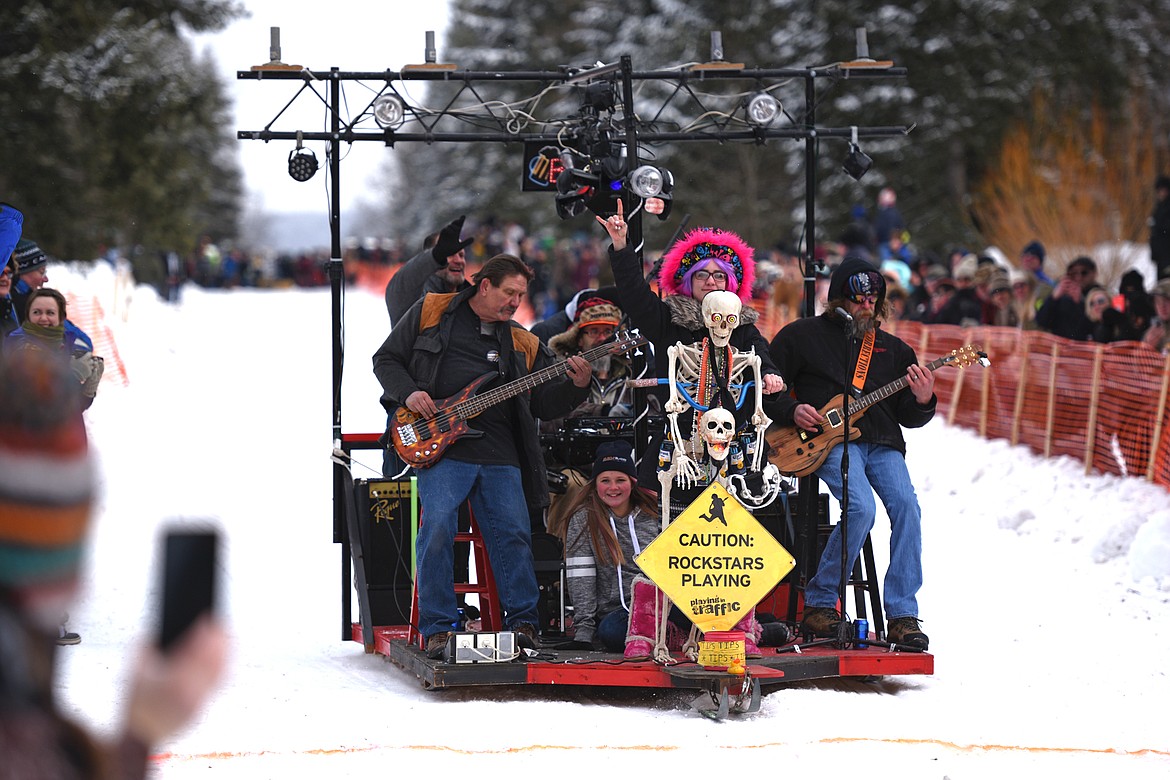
(818, 356)
(442, 344)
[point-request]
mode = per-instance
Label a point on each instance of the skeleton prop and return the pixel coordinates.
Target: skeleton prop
(709, 366)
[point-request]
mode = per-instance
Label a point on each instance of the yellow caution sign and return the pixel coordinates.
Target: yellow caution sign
(715, 561)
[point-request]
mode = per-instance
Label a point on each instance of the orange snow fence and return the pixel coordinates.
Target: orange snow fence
(87, 314)
(1102, 404)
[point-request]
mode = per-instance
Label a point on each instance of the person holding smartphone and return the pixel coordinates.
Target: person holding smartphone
(46, 490)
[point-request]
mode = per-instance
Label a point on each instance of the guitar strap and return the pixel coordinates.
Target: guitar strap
(863, 358)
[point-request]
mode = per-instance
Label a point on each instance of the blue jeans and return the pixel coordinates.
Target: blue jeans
(873, 468)
(497, 501)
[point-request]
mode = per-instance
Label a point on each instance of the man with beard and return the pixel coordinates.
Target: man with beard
(818, 356)
(443, 343)
(596, 321)
(436, 269)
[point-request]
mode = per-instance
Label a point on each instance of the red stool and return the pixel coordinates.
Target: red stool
(490, 614)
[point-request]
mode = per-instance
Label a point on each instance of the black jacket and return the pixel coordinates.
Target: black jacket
(814, 355)
(412, 355)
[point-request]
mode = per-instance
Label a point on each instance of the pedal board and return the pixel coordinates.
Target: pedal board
(479, 648)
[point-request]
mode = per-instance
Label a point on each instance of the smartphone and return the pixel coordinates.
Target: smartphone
(189, 563)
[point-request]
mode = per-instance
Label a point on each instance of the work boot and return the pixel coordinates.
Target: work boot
(906, 631)
(437, 645)
(525, 635)
(775, 634)
(820, 621)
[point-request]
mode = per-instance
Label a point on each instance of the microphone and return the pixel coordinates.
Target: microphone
(843, 314)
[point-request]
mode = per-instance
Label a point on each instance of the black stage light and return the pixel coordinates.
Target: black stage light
(857, 163)
(302, 164)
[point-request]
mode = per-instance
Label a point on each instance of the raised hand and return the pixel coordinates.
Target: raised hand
(616, 227)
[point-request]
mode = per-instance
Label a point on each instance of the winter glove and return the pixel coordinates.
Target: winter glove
(449, 242)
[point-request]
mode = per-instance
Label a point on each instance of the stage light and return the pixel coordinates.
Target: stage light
(761, 109)
(576, 185)
(857, 163)
(654, 185)
(389, 111)
(646, 181)
(302, 163)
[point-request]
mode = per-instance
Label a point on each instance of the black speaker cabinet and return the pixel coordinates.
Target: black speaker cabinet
(383, 511)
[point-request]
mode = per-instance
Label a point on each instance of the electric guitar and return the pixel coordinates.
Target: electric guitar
(798, 452)
(421, 441)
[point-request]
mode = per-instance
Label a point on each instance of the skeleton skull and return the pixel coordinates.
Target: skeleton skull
(716, 426)
(721, 311)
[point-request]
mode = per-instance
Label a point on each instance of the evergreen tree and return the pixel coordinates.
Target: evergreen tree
(115, 134)
(973, 68)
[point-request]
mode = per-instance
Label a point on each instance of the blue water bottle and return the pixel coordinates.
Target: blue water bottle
(862, 632)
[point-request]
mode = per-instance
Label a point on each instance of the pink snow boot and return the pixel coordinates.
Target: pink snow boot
(642, 632)
(751, 629)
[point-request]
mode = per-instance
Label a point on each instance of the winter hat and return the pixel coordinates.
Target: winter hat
(1132, 281)
(967, 267)
(590, 311)
(856, 275)
(1034, 248)
(29, 256)
(597, 311)
(46, 477)
(694, 249)
(615, 456)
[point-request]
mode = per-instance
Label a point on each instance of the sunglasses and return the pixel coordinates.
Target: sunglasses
(863, 298)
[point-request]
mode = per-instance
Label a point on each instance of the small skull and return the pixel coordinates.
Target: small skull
(721, 311)
(717, 426)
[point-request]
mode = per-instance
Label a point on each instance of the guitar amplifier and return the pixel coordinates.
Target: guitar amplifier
(383, 512)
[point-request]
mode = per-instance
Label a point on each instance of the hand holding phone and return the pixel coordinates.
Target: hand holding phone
(188, 581)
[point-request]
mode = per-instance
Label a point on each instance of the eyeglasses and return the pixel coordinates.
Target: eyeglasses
(1099, 302)
(7, 272)
(701, 276)
(863, 298)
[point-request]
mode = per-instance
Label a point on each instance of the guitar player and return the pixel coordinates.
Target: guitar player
(818, 355)
(444, 343)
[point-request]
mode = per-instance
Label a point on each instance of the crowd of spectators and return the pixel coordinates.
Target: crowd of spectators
(954, 286)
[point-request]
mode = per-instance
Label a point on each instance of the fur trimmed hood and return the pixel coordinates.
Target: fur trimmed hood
(686, 312)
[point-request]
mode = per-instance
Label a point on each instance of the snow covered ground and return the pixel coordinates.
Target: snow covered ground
(1046, 595)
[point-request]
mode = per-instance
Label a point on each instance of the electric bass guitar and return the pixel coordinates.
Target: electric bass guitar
(798, 452)
(421, 441)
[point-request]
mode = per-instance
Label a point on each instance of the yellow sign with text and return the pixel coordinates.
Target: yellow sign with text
(715, 561)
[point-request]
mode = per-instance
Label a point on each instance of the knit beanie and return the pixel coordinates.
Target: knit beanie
(856, 275)
(1034, 248)
(590, 311)
(29, 256)
(730, 252)
(46, 477)
(615, 456)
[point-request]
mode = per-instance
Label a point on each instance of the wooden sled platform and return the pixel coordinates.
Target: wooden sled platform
(551, 666)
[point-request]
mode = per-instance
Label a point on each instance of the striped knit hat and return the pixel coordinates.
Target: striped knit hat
(29, 256)
(46, 477)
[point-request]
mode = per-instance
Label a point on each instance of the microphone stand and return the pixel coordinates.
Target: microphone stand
(845, 630)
